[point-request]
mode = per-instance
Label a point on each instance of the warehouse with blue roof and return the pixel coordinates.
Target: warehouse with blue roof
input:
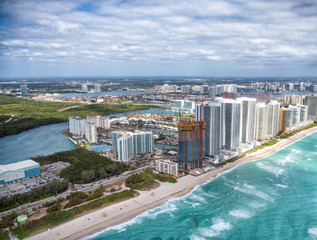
(20, 170)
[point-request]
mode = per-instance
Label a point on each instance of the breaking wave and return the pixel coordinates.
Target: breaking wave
(240, 213)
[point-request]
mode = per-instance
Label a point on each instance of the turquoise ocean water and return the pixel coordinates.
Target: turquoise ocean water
(273, 198)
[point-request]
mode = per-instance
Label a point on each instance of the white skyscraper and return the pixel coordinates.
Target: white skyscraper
(290, 117)
(142, 142)
(101, 122)
(97, 88)
(127, 144)
(303, 113)
(261, 118)
(247, 119)
(291, 86)
(296, 115)
(213, 91)
(212, 117)
(311, 102)
(91, 132)
(77, 126)
(273, 118)
(230, 123)
(199, 112)
(24, 89)
(84, 88)
(185, 89)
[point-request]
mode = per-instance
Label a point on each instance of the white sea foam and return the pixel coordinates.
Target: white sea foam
(313, 233)
(272, 169)
(296, 151)
(256, 204)
(218, 226)
(251, 190)
(281, 185)
(309, 159)
(195, 237)
(194, 205)
(289, 158)
(240, 213)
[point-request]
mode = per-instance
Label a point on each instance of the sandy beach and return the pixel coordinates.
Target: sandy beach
(124, 211)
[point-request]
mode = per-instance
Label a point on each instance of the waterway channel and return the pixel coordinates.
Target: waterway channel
(48, 139)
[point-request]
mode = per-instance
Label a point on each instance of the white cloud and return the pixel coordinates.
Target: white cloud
(260, 33)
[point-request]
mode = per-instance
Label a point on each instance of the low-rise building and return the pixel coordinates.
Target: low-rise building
(166, 166)
(20, 170)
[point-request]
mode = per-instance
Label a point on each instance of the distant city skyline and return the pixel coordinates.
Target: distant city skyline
(158, 38)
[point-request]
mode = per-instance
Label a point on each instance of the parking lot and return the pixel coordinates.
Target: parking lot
(49, 173)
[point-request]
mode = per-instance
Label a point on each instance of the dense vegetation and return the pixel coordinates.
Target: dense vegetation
(4, 235)
(57, 217)
(86, 166)
(147, 179)
(35, 194)
(30, 114)
(8, 220)
(77, 198)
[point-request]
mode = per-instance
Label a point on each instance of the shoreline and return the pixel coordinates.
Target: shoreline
(124, 211)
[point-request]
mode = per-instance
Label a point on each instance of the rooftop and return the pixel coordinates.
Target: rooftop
(18, 165)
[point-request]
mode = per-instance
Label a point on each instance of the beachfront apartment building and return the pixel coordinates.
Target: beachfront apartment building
(247, 119)
(290, 114)
(311, 102)
(273, 118)
(230, 123)
(296, 115)
(76, 126)
(128, 144)
(303, 113)
(212, 116)
(261, 119)
(191, 144)
(91, 132)
(166, 166)
(283, 120)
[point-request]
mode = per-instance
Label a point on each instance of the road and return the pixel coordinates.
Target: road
(85, 188)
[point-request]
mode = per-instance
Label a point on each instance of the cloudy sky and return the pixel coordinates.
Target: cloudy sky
(158, 38)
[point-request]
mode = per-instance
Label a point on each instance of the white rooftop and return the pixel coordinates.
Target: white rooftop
(18, 165)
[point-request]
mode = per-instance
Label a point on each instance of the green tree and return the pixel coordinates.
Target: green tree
(88, 176)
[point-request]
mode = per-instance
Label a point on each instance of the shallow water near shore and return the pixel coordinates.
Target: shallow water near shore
(273, 198)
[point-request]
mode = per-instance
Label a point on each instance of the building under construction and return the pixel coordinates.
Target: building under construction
(191, 144)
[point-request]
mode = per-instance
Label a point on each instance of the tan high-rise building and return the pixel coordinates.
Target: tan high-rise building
(283, 120)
